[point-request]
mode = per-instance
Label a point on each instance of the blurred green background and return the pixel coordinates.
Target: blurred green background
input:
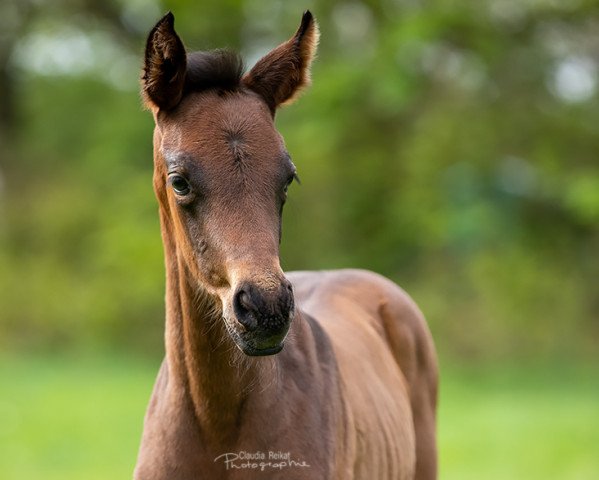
(450, 145)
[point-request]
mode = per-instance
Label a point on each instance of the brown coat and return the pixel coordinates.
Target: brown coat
(309, 375)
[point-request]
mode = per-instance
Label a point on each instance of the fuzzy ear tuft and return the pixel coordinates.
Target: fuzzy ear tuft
(163, 75)
(283, 73)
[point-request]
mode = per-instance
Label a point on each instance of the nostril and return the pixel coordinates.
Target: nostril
(286, 299)
(287, 288)
(244, 300)
(245, 309)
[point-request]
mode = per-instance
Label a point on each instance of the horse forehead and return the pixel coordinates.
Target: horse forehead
(229, 129)
(237, 119)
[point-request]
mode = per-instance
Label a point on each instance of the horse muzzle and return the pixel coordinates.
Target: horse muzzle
(262, 317)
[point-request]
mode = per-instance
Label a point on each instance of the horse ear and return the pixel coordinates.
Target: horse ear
(281, 74)
(163, 75)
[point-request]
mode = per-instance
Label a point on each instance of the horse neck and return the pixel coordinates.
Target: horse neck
(204, 365)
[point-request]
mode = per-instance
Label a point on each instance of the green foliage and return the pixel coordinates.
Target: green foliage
(439, 145)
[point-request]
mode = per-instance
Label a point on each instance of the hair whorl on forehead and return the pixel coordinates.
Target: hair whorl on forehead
(213, 69)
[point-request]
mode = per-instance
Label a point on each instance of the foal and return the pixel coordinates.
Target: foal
(351, 392)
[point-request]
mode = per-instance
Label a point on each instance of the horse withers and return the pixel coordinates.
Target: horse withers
(305, 375)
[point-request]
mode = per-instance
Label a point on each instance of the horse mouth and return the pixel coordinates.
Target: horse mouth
(260, 352)
(255, 345)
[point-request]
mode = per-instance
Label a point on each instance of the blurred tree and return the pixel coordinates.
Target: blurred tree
(450, 145)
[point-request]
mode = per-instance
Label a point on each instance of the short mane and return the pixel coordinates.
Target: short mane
(221, 69)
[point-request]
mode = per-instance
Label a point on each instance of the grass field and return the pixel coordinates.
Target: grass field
(80, 418)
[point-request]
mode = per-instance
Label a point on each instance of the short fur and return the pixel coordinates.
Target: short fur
(336, 368)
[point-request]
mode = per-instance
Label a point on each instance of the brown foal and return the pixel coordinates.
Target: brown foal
(309, 375)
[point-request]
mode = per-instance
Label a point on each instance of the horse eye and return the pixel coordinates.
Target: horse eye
(180, 185)
(290, 181)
